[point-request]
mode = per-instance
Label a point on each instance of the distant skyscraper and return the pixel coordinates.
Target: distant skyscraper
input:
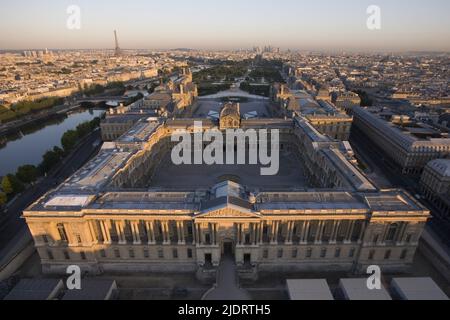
(118, 52)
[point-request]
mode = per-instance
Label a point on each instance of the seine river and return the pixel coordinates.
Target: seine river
(32, 143)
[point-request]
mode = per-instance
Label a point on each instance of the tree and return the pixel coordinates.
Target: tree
(7, 185)
(83, 129)
(59, 153)
(95, 123)
(12, 185)
(27, 173)
(50, 159)
(17, 185)
(69, 140)
(3, 198)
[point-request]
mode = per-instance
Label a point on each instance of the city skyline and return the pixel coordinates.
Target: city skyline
(297, 25)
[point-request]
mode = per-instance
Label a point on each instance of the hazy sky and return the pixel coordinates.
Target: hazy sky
(226, 24)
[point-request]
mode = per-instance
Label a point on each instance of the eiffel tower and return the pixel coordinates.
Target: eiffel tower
(118, 51)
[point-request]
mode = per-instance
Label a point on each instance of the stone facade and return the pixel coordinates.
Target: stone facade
(408, 152)
(335, 126)
(230, 116)
(263, 235)
(435, 184)
(104, 218)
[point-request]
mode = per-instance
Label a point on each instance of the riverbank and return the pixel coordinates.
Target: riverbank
(15, 126)
(30, 145)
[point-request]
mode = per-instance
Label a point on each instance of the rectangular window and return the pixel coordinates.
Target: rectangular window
(280, 253)
(78, 238)
(294, 253)
(117, 253)
(146, 253)
(175, 253)
(337, 254)
(66, 255)
(45, 239)
(266, 254)
(351, 254)
(309, 253)
(50, 255)
(103, 253)
(83, 255)
(371, 254)
(323, 253)
(160, 253)
(189, 253)
(131, 252)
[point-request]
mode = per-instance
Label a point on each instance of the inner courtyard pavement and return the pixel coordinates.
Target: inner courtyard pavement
(290, 176)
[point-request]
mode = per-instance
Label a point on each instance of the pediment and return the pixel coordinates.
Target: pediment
(231, 212)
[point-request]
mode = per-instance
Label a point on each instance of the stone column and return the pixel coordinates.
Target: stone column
(215, 233)
(385, 233)
(120, 231)
(261, 233)
(348, 237)
(243, 234)
(103, 231)
(255, 233)
(199, 234)
(274, 232)
(194, 233)
(290, 228)
(305, 233)
(401, 233)
(361, 233)
(136, 233)
(166, 234)
(212, 234)
(93, 233)
(106, 227)
(150, 232)
(334, 232)
(180, 228)
(320, 227)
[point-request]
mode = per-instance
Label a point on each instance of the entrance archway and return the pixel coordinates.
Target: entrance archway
(228, 247)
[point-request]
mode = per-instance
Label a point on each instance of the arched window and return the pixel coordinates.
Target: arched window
(392, 231)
